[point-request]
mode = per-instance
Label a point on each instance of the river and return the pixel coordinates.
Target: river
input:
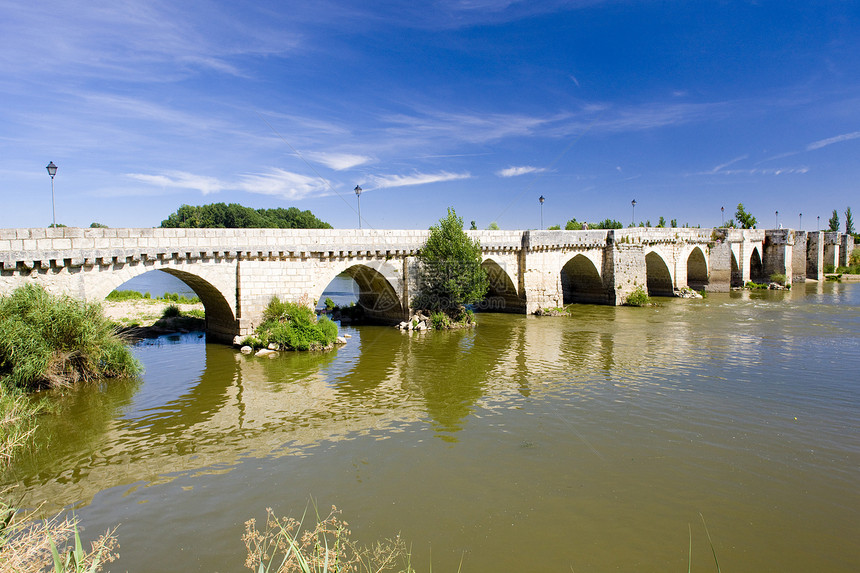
(604, 441)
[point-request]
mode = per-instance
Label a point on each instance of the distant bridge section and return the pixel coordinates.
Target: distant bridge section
(235, 272)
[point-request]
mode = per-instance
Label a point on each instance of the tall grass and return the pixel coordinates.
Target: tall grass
(51, 341)
(286, 545)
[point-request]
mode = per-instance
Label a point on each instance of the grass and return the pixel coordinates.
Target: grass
(122, 295)
(287, 545)
(293, 326)
(50, 341)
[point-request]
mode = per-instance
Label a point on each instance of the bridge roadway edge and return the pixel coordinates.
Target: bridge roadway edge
(236, 271)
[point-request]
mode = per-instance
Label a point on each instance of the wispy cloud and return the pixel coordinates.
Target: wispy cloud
(339, 161)
(775, 171)
(181, 180)
(275, 182)
(830, 141)
(385, 181)
(722, 166)
(517, 171)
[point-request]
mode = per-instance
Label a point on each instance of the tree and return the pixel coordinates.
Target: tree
(554, 228)
(745, 220)
(235, 216)
(492, 226)
(98, 226)
(450, 272)
(661, 223)
(849, 222)
(673, 223)
(573, 225)
(473, 227)
(834, 221)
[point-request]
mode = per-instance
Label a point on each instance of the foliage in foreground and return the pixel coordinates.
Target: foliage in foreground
(450, 272)
(293, 326)
(286, 545)
(50, 341)
(17, 425)
(122, 295)
(235, 216)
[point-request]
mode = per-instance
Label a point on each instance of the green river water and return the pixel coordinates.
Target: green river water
(588, 443)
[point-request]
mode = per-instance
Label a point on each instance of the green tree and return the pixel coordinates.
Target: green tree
(849, 222)
(606, 224)
(493, 226)
(473, 226)
(673, 223)
(554, 228)
(450, 272)
(98, 226)
(745, 220)
(661, 223)
(573, 225)
(834, 221)
(235, 216)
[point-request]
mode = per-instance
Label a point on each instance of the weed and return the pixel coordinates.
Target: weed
(171, 311)
(637, 298)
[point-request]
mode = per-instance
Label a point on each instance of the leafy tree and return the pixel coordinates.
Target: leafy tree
(573, 225)
(450, 273)
(673, 223)
(492, 226)
(834, 221)
(849, 222)
(235, 216)
(661, 223)
(745, 220)
(607, 224)
(473, 226)
(98, 226)
(554, 228)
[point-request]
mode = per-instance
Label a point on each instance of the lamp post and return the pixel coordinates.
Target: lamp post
(777, 219)
(723, 215)
(52, 170)
(541, 199)
(817, 223)
(800, 221)
(633, 221)
(358, 198)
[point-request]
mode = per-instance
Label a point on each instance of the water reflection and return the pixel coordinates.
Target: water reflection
(506, 434)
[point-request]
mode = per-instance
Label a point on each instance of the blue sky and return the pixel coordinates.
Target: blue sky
(483, 105)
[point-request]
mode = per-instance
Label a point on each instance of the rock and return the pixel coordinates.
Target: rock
(687, 292)
(403, 325)
(340, 340)
(246, 350)
(272, 346)
(237, 340)
(347, 336)
(263, 352)
(421, 326)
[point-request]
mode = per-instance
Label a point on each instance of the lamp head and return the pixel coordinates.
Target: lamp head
(52, 169)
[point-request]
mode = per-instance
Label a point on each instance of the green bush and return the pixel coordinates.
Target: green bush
(55, 341)
(829, 268)
(778, 278)
(294, 326)
(171, 311)
(637, 298)
(440, 320)
(754, 286)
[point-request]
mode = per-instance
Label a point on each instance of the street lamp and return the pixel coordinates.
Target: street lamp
(817, 223)
(777, 219)
(633, 221)
(723, 215)
(541, 199)
(52, 170)
(800, 221)
(358, 198)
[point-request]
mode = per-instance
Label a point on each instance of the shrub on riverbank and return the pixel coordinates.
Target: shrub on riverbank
(122, 295)
(49, 341)
(637, 298)
(293, 326)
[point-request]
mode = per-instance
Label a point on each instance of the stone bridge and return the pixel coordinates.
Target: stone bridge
(235, 272)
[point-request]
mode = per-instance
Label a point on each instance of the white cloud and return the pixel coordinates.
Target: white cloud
(284, 184)
(517, 171)
(276, 182)
(727, 163)
(830, 141)
(182, 180)
(339, 161)
(384, 181)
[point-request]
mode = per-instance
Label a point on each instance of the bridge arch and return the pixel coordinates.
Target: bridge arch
(220, 315)
(658, 276)
(581, 282)
(502, 296)
(697, 269)
(377, 294)
(756, 266)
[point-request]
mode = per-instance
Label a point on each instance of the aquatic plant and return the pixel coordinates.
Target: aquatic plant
(637, 298)
(294, 326)
(49, 341)
(778, 278)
